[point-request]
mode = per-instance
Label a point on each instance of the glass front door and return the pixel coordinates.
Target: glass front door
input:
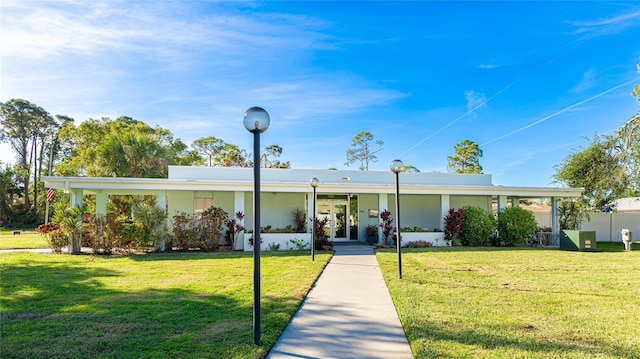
(337, 214)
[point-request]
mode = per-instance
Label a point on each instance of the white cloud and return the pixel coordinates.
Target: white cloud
(607, 26)
(475, 100)
(587, 81)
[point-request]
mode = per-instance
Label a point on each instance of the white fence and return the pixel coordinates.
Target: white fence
(606, 225)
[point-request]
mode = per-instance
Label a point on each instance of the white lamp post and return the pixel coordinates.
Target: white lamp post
(256, 120)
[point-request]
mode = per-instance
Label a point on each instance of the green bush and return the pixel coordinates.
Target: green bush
(515, 225)
(419, 244)
(476, 227)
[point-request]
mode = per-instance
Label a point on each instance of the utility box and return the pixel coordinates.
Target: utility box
(578, 240)
(627, 238)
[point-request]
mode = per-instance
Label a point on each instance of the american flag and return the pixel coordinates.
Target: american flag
(49, 194)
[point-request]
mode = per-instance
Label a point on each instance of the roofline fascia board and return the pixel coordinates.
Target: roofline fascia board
(156, 184)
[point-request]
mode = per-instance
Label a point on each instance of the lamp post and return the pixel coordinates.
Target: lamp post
(314, 183)
(396, 167)
(256, 120)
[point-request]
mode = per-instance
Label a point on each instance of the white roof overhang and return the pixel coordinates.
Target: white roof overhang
(113, 185)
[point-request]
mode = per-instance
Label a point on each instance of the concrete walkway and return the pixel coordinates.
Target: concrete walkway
(347, 314)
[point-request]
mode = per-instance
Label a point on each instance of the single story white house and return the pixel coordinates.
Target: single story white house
(352, 200)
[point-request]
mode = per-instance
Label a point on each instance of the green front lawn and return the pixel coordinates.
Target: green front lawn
(519, 302)
(26, 240)
(154, 305)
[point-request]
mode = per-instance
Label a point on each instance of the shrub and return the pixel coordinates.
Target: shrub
(386, 225)
(452, 223)
(183, 230)
(234, 228)
(94, 232)
(321, 239)
(419, 244)
(515, 225)
(70, 220)
(476, 227)
(274, 247)
(209, 228)
(300, 244)
(152, 220)
(54, 236)
(299, 220)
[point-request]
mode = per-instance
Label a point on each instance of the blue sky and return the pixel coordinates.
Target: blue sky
(527, 81)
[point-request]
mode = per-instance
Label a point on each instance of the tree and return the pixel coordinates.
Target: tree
(362, 151)
(133, 154)
(626, 147)
(597, 169)
(636, 90)
(28, 128)
(269, 158)
(232, 156)
(410, 168)
(209, 146)
(85, 147)
(466, 158)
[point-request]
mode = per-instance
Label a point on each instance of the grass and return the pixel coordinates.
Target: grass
(26, 240)
(147, 306)
(518, 302)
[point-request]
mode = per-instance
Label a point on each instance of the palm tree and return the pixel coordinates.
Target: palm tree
(134, 154)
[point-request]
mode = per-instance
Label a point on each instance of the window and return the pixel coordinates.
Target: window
(200, 204)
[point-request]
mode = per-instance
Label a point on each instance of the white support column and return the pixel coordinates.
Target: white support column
(238, 206)
(383, 203)
(75, 200)
(445, 204)
(161, 202)
(502, 202)
(101, 208)
(555, 221)
(101, 203)
(515, 201)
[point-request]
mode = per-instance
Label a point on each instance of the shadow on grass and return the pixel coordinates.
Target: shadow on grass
(64, 310)
(197, 255)
(489, 338)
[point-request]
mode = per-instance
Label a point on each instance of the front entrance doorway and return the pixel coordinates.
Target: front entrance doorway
(337, 213)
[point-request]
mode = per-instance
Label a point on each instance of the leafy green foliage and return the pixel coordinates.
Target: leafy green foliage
(30, 130)
(153, 222)
(571, 214)
(466, 158)
(476, 227)
(515, 225)
(597, 169)
(70, 220)
(120, 147)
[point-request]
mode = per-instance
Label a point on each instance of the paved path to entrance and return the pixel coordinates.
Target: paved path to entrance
(347, 314)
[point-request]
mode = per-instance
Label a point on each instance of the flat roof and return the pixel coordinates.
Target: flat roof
(185, 178)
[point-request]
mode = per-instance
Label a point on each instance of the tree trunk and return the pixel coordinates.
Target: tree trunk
(34, 158)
